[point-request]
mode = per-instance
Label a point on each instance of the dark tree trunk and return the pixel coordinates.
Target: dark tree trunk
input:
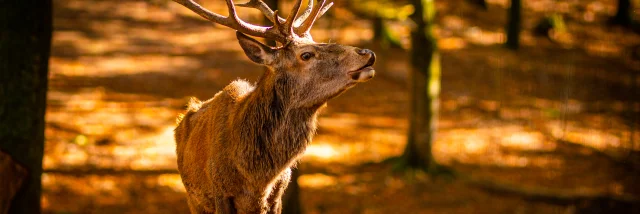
(623, 15)
(378, 30)
(425, 87)
(291, 198)
(382, 34)
(25, 40)
(513, 27)
(479, 3)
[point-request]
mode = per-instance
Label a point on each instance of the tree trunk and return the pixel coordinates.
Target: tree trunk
(382, 35)
(480, 3)
(25, 40)
(513, 27)
(623, 15)
(425, 87)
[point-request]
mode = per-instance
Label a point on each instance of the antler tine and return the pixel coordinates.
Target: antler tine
(243, 27)
(292, 28)
(317, 11)
(211, 16)
(288, 25)
(276, 24)
(263, 7)
(232, 11)
(304, 14)
(233, 21)
(324, 9)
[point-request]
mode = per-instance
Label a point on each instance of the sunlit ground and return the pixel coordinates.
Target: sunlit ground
(122, 71)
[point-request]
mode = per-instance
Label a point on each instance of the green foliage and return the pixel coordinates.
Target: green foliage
(553, 22)
(383, 35)
(552, 113)
(81, 140)
(433, 86)
(383, 8)
(429, 11)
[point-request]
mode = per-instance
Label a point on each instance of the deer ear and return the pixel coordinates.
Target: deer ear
(255, 50)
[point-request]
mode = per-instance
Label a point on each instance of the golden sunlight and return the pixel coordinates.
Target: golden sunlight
(172, 181)
(317, 180)
(322, 151)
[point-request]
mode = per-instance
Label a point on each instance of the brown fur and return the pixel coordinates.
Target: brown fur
(235, 150)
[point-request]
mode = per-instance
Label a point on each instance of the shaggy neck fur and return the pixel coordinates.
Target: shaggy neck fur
(274, 134)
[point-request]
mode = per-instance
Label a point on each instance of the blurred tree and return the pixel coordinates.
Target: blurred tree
(553, 22)
(382, 35)
(480, 3)
(425, 89)
(623, 15)
(553, 28)
(25, 40)
(513, 27)
(379, 12)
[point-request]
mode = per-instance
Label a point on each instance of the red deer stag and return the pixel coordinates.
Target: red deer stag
(235, 150)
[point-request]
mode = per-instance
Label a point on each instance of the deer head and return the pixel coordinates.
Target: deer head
(306, 72)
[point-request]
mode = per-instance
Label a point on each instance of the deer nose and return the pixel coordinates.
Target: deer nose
(364, 52)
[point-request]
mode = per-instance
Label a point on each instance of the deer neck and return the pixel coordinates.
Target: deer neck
(274, 94)
(281, 130)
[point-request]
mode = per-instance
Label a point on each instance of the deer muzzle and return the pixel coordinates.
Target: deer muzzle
(366, 72)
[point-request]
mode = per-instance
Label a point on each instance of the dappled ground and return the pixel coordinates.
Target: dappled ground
(557, 116)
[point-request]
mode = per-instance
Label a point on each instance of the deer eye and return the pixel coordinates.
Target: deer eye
(306, 56)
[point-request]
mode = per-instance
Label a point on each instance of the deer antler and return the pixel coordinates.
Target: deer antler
(284, 31)
(232, 21)
(310, 16)
(263, 7)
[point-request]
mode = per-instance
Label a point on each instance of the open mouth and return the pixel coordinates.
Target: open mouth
(364, 73)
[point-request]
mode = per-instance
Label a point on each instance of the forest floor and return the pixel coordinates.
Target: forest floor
(545, 129)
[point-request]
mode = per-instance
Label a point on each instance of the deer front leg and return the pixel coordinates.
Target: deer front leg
(195, 207)
(250, 204)
(275, 199)
(225, 205)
